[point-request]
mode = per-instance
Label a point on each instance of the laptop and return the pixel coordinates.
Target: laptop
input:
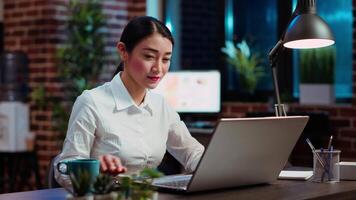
(242, 151)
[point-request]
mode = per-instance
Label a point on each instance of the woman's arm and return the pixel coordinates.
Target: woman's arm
(186, 149)
(80, 135)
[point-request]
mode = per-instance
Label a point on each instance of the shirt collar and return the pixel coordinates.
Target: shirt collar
(123, 98)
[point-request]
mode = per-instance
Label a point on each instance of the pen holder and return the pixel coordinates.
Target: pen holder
(325, 166)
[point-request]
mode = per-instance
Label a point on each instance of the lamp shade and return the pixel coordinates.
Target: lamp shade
(308, 31)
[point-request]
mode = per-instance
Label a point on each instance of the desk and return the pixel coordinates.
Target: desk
(16, 169)
(281, 189)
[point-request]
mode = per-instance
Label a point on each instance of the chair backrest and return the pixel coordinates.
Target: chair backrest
(52, 183)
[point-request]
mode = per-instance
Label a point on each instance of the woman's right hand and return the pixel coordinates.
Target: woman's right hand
(111, 164)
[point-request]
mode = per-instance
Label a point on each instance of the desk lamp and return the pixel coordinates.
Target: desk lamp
(305, 30)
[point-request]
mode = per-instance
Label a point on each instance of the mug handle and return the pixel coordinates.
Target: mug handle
(61, 166)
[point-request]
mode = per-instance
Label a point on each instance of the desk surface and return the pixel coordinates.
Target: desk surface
(281, 189)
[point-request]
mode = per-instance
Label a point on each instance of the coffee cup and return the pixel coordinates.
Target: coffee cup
(76, 169)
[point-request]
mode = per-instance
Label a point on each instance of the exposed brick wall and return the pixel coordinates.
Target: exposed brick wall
(36, 27)
(30, 26)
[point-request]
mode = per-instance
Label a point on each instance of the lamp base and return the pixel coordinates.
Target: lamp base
(280, 110)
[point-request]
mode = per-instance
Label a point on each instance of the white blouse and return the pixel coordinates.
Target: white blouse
(105, 120)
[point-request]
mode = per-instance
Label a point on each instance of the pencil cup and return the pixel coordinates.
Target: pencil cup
(325, 166)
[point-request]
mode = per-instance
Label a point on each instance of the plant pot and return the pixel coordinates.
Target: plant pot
(316, 94)
(110, 196)
(138, 196)
(86, 197)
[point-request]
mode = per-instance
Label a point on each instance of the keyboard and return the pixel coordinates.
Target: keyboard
(201, 124)
(174, 182)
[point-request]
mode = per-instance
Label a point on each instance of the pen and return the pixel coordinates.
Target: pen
(330, 174)
(330, 140)
(316, 154)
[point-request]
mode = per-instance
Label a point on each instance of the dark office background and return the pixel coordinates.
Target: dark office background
(36, 28)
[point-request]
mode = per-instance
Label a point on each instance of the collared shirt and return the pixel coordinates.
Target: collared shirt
(106, 120)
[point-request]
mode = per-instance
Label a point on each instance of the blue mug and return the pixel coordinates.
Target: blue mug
(79, 166)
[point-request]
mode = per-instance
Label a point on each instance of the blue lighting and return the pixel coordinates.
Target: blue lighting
(338, 15)
(229, 20)
(169, 25)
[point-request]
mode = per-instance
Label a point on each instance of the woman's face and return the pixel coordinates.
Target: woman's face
(149, 61)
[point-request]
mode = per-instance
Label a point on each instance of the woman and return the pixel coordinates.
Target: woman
(122, 123)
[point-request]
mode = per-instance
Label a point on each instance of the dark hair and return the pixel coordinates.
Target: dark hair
(138, 29)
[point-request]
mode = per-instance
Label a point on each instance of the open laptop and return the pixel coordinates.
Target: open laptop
(242, 151)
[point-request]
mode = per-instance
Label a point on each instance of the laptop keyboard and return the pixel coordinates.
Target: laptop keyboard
(177, 181)
(178, 184)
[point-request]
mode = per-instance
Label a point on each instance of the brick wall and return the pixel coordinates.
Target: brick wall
(37, 28)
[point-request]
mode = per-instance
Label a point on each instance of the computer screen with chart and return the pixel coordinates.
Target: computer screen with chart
(192, 91)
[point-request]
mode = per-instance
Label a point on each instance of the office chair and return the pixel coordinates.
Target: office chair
(52, 183)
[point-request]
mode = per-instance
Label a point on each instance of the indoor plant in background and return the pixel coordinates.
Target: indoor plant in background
(80, 60)
(82, 57)
(317, 71)
(247, 64)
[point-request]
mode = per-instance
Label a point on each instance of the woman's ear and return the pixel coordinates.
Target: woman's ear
(121, 48)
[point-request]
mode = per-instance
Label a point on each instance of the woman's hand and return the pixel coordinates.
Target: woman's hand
(111, 164)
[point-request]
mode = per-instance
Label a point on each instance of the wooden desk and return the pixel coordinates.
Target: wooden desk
(279, 190)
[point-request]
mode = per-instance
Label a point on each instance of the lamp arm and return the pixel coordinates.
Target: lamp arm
(273, 57)
(274, 53)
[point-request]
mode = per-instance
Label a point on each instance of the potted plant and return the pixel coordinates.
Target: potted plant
(246, 64)
(80, 60)
(81, 185)
(139, 187)
(130, 187)
(103, 188)
(317, 69)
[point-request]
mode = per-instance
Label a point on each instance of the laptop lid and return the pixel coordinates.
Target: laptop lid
(247, 151)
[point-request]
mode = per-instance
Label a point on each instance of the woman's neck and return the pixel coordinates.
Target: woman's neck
(136, 92)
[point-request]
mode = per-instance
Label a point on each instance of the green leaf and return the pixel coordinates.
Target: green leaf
(139, 186)
(38, 95)
(103, 184)
(81, 183)
(81, 59)
(317, 65)
(246, 63)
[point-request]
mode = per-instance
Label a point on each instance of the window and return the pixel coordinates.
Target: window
(338, 14)
(258, 26)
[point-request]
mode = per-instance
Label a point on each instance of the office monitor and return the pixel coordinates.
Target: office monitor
(192, 91)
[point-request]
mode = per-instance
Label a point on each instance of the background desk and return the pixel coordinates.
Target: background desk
(170, 165)
(16, 170)
(279, 190)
